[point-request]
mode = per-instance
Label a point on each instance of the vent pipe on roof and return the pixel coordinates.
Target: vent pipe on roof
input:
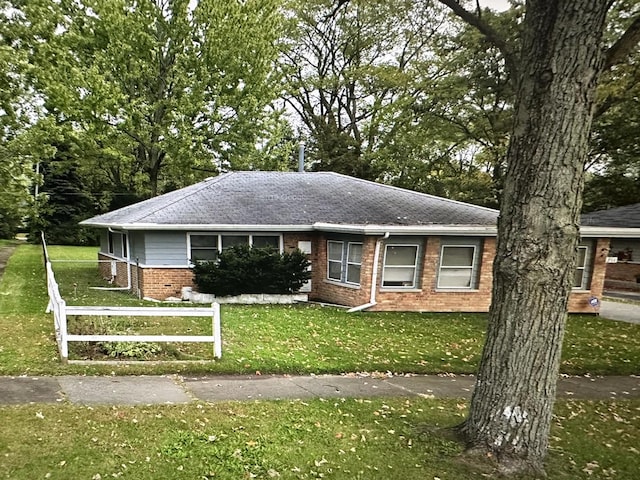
(301, 157)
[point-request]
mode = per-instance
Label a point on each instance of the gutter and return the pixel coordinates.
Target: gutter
(374, 277)
(199, 227)
(466, 230)
(363, 229)
(609, 232)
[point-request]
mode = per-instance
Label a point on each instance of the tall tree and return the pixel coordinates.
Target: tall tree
(557, 74)
(157, 86)
(15, 171)
(351, 75)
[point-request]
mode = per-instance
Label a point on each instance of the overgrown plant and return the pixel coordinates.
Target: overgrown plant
(139, 350)
(242, 269)
(109, 326)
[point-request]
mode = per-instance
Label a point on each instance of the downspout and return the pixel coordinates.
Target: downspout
(374, 277)
(128, 259)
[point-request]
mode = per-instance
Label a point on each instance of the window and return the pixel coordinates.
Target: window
(266, 241)
(124, 245)
(344, 261)
(229, 241)
(457, 266)
(203, 247)
(206, 247)
(110, 242)
(354, 262)
(334, 260)
(119, 249)
(400, 266)
(582, 273)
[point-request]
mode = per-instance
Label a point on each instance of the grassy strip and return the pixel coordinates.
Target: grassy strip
(278, 339)
(338, 439)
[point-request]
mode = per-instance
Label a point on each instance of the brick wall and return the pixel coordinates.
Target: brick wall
(431, 299)
(339, 293)
(428, 297)
(160, 283)
(104, 267)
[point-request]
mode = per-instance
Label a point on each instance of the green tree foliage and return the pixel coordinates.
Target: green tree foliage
(63, 200)
(165, 91)
(15, 171)
(477, 97)
(242, 269)
(353, 77)
(398, 92)
(613, 173)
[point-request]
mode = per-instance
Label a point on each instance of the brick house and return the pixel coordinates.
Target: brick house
(371, 246)
(624, 274)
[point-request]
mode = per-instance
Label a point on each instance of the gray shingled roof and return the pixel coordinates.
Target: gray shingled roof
(623, 217)
(298, 199)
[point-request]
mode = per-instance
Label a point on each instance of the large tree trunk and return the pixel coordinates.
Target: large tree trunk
(561, 60)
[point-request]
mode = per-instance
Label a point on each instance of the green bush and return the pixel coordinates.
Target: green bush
(140, 350)
(242, 269)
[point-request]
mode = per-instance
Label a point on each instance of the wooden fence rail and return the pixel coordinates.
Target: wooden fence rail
(60, 310)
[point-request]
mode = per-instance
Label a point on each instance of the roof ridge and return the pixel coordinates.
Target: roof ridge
(405, 190)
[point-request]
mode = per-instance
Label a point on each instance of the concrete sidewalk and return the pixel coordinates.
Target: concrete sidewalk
(626, 310)
(144, 390)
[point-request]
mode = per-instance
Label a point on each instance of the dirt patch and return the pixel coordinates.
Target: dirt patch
(5, 253)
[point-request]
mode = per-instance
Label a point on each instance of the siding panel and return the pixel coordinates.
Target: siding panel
(165, 248)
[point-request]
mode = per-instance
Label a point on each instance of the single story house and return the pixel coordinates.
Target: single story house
(371, 246)
(624, 274)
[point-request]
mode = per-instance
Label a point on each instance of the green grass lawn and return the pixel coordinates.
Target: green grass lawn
(334, 439)
(273, 339)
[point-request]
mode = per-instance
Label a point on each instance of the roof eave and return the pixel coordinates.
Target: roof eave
(463, 230)
(611, 232)
(466, 230)
(192, 227)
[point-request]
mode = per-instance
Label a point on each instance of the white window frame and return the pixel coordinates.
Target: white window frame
(190, 247)
(345, 264)
(414, 282)
(472, 268)
(584, 284)
(349, 264)
(329, 260)
(233, 234)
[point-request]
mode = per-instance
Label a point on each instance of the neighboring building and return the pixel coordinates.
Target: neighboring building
(371, 246)
(625, 273)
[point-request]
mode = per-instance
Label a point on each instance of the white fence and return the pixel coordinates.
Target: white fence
(60, 310)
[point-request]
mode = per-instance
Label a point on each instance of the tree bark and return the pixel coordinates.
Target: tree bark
(562, 57)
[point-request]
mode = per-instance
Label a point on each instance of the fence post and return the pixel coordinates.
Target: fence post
(64, 344)
(217, 336)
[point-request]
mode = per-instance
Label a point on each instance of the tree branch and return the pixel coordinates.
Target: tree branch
(618, 52)
(488, 31)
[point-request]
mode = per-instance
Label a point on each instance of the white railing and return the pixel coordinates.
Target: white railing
(60, 310)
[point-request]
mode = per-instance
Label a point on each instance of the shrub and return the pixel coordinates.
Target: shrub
(141, 350)
(242, 269)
